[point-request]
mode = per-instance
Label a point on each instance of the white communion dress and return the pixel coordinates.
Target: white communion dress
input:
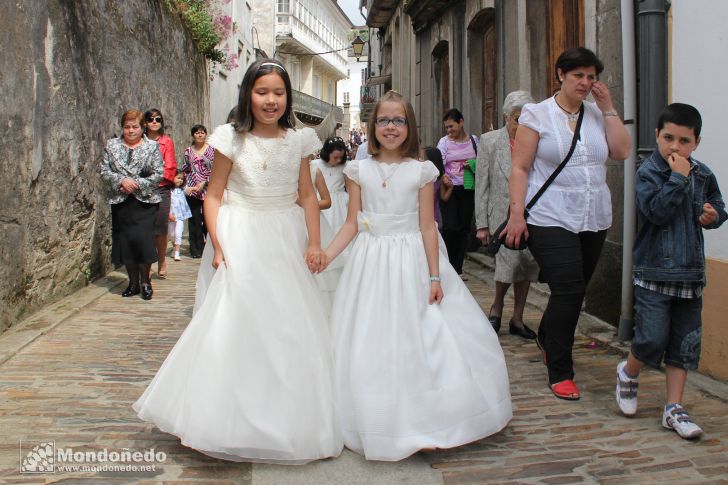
(334, 177)
(328, 279)
(409, 375)
(251, 377)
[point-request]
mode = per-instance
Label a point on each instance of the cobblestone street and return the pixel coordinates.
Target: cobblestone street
(91, 355)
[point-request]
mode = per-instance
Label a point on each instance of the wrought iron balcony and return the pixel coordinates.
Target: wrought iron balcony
(314, 108)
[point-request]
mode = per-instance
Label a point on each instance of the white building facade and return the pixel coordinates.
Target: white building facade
(225, 84)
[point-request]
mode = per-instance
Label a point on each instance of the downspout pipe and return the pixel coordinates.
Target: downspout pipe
(652, 55)
(629, 76)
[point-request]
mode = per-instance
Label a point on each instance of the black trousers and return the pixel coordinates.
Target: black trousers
(567, 262)
(456, 216)
(196, 227)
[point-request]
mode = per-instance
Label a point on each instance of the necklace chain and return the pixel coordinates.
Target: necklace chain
(381, 173)
(572, 117)
(264, 152)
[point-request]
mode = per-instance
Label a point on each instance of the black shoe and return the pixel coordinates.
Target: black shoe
(523, 331)
(130, 291)
(196, 256)
(147, 291)
(496, 322)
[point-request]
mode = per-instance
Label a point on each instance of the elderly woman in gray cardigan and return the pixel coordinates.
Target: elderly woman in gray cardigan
(491, 207)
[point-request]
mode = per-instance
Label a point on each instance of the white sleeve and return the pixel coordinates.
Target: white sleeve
(530, 116)
(222, 139)
(310, 142)
(428, 173)
(351, 170)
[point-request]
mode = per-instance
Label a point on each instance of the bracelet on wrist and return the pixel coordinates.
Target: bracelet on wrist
(434, 278)
(610, 113)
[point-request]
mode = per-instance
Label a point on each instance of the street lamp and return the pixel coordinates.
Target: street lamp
(358, 46)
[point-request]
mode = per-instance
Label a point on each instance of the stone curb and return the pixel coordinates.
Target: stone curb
(43, 321)
(600, 331)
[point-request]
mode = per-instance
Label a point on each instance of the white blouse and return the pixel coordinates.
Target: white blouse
(578, 199)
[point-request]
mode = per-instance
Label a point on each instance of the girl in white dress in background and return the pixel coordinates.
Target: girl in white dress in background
(328, 279)
(331, 164)
(250, 379)
(417, 364)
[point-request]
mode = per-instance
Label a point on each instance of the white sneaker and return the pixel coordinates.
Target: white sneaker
(176, 256)
(679, 420)
(626, 391)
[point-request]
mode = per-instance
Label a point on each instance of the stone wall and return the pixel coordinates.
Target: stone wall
(69, 69)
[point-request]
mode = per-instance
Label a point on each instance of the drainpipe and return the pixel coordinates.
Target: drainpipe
(500, 93)
(652, 25)
(629, 76)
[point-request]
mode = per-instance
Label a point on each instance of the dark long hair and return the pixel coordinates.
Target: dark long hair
(244, 119)
(150, 113)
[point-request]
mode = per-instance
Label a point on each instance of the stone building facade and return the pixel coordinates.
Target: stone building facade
(70, 69)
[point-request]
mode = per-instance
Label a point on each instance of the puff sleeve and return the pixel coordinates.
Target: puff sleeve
(222, 139)
(531, 116)
(310, 142)
(351, 170)
(428, 173)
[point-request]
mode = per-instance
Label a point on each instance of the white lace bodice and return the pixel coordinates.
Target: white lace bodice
(264, 167)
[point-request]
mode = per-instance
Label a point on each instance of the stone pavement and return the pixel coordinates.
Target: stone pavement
(71, 372)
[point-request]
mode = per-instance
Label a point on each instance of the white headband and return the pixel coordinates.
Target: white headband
(274, 65)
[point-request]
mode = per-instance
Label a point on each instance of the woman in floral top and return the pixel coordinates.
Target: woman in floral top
(197, 168)
(131, 169)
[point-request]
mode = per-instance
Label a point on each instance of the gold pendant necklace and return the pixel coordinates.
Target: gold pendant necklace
(381, 173)
(264, 153)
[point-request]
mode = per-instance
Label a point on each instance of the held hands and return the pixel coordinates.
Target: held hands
(709, 215)
(435, 293)
(446, 181)
(171, 218)
(679, 164)
(316, 259)
(483, 235)
(602, 96)
(128, 185)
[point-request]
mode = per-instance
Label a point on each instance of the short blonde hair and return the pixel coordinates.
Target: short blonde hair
(411, 146)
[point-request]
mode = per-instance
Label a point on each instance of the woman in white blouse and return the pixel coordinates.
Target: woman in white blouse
(567, 227)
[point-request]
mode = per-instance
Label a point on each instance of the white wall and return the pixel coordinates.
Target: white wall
(352, 85)
(699, 71)
(225, 86)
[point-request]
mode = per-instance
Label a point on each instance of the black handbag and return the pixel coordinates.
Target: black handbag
(496, 240)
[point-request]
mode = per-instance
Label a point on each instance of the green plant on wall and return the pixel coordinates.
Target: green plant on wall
(206, 28)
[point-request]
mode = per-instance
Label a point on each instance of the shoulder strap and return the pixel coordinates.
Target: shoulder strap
(558, 170)
(475, 145)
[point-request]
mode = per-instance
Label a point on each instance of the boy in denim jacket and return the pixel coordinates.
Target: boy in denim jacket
(677, 197)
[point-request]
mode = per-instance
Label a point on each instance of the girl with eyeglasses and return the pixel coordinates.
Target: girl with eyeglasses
(251, 377)
(154, 129)
(417, 364)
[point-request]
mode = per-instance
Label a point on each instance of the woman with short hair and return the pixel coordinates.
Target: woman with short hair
(491, 209)
(567, 227)
(131, 169)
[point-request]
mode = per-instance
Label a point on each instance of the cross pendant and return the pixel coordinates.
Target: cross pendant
(384, 184)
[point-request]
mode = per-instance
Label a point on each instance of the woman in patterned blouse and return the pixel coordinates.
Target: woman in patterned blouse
(131, 169)
(197, 168)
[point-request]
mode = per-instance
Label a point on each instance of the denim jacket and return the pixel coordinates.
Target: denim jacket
(669, 243)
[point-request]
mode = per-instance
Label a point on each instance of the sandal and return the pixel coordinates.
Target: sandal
(566, 390)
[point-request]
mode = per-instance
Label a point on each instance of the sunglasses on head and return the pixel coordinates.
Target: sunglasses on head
(155, 119)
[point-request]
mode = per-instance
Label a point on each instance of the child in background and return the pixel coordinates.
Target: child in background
(417, 364)
(677, 197)
(179, 211)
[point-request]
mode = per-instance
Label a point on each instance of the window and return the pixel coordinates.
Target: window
(348, 73)
(346, 97)
(283, 6)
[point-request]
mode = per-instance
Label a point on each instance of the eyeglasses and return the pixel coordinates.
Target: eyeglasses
(155, 119)
(397, 121)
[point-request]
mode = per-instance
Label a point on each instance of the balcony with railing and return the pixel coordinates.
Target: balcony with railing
(314, 110)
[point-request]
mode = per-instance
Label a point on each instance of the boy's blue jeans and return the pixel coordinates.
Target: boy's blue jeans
(666, 328)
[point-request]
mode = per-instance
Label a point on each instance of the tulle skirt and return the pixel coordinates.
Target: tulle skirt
(410, 375)
(250, 379)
